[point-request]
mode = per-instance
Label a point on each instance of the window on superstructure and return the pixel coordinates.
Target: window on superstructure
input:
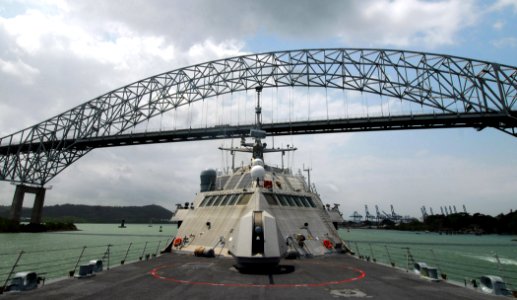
(225, 200)
(270, 199)
(305, 202)
(281, 199)
(289, 200)
(311, 203)
(233, 199)
(245, 198)
(205, 200)
(218, 200)
(210, 201)
(297, 201)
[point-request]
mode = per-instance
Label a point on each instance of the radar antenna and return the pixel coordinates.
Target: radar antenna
(257, 148)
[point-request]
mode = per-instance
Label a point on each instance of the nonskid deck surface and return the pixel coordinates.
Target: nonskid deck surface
(173, 276)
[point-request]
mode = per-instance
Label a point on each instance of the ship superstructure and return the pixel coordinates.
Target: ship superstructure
(257, 214)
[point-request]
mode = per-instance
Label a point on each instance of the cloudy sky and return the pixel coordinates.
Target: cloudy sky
(56, 54)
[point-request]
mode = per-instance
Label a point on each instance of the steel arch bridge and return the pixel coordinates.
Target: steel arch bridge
(465, 92)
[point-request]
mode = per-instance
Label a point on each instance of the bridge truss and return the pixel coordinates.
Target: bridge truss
(465, 93)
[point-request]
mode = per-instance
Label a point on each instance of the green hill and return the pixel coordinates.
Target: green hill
(98, 214)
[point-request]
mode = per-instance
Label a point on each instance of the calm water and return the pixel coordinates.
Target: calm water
(57, 253)
(459, 256)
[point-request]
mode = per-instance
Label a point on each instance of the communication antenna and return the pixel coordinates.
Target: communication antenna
(308, 170)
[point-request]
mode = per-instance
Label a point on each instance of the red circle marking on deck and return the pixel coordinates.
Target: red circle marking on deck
(362, 274)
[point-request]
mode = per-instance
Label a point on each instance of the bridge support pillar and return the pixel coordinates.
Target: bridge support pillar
(37, 209)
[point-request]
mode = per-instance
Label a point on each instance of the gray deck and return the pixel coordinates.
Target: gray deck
(188, 277)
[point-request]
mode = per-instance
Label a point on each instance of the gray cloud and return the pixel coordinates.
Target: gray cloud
(74, 53)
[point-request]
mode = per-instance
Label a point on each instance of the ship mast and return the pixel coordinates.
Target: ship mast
(258, 133)
(257, 148)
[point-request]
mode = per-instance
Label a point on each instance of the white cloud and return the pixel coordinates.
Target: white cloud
(405, 23)
(73, 51)
(503, 4)
(20, 70)
(209, 50)
(505, 42)
(498, 25)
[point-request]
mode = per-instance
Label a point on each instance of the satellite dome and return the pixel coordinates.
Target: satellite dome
(257, 172)
(258, 162)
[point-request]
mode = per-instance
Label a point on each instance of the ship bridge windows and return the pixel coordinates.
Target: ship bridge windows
(226, 200)
(232, 199)
(297, 200)
(282, 200)
(270, 199)
(305, 202)
(207, 201)
(311, 203)
(204, 201)
(289, 200)
(218, 200)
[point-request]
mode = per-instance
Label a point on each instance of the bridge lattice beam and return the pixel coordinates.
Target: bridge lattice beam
(446, 83)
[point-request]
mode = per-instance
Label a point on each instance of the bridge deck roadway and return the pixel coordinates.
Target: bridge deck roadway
(424, 121)
(173, 276)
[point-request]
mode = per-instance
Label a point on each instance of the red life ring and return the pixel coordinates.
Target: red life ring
(327, 244)
(177, 242)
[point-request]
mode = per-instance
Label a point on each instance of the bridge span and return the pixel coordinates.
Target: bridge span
(424, 121)
(460, 92)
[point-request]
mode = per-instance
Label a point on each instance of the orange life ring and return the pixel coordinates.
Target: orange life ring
(327, 244)
(177, 242)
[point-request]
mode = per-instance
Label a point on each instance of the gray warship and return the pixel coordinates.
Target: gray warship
(258, 213)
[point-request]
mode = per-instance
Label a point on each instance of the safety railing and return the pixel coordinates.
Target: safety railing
(64, 262)
(451, 265)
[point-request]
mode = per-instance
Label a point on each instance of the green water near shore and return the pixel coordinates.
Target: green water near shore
(459, 256)
(54, 254)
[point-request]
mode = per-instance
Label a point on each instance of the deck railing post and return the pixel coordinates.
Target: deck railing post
(11, 272)
(71, 273)
(407, 259)
(357, 249)
(143, 252)
(389, 256)
(157, 248)
(371, 252)
(443, 275)
(127, 252)
(108, 254)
